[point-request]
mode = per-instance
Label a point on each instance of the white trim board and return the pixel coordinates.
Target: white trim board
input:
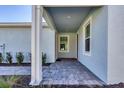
(88, 21)
(67, 43)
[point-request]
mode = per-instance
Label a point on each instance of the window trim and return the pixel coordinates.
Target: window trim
(88, 21)
(67, 43)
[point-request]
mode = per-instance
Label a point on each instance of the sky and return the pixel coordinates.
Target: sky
(15, 13)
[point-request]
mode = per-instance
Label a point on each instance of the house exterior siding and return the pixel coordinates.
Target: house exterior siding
(18, 39)
(115, 44)
(48, 44)
(97, 61)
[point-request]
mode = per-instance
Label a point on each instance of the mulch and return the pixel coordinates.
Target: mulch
(15, 64)
(23, 82)
(22, 64)
(46, 64)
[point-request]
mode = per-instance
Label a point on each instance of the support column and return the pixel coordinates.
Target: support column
(36, 57)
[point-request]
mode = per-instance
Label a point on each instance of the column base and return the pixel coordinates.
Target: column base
(35, 82)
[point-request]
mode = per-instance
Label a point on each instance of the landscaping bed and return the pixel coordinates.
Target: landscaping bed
(15, 64)
(23, 82)
(46, 64)
(22, 64)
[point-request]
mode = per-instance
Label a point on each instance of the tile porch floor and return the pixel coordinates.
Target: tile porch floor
(69, 72)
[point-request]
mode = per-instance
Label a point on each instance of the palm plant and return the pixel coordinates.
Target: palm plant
(29, 54)
(8, 81)
(1, 58)
(44, 58)
(19, 57)
(9, 57)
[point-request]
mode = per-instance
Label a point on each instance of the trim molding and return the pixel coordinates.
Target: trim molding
(20, 24)
(68, 42)
(88, 21)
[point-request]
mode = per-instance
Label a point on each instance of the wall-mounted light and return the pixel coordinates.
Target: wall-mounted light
(68, 17)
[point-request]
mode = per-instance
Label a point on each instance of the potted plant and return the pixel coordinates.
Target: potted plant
(19, 57)
(1, 58)
(9, 57)
(44, 58)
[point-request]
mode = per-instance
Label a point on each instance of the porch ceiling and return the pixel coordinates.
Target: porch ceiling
(68, 19)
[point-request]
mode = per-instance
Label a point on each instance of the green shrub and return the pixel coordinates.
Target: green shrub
(1, 58)
(19, 57)
(29, 54)
(8, 81)
(9, 57)
(44, 58)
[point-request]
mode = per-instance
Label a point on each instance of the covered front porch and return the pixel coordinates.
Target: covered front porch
(69, 42)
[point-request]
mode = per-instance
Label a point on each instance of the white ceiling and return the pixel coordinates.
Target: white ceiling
(68, 19)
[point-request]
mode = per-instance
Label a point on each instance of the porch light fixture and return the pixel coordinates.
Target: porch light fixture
(68, 17)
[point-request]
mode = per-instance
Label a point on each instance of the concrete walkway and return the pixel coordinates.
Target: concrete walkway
(15, 70)
(66, 72)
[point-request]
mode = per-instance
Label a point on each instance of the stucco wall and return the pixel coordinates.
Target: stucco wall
(48, 44)
(16, 40)
(97, 61)
(72, 46)
(19, 40)
(115, 44)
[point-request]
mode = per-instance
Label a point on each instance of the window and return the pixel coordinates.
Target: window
(64, 43)
(87, 37)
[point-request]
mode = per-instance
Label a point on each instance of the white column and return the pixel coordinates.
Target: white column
(36, 58)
